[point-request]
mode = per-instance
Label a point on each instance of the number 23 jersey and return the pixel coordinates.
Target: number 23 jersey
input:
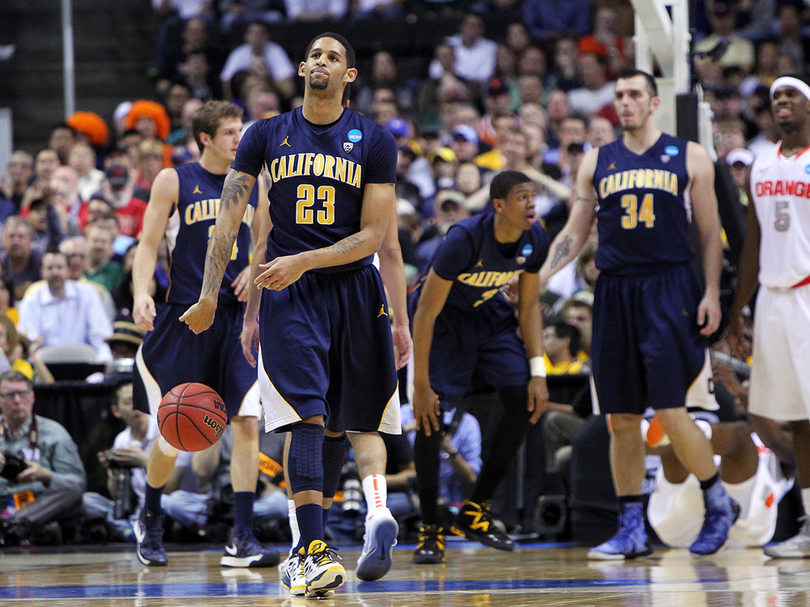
(318, 177)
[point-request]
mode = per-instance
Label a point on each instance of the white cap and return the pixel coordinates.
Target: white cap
(405, 207)
(122, 110)
(740, 155)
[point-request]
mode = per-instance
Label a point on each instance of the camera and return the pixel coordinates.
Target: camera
(14, 465)
(115, 464)
(352, 497)
(576, 147)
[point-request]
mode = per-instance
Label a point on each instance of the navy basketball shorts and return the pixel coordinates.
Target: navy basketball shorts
(476, 350)
(172, 354)
(326, 349)
(646, 348)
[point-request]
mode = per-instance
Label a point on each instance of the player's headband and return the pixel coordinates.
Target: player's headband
(793, 83)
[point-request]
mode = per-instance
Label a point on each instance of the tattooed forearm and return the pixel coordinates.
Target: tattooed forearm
(220, 247)
(350, 243)
(561, 251)
(237, 185)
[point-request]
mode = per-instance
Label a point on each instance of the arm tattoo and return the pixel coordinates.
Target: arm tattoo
(220, 246)
(347, 244)
(561, 251)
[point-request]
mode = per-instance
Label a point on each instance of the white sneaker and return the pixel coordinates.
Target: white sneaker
(322, 571)
(797, 547)
(293, 576)
(380, 538)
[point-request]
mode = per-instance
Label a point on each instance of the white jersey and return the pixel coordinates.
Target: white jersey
(780, 190)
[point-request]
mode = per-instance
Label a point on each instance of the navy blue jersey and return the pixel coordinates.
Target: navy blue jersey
(317, 177)
(472, 258)
(643, 208)
(197, 207)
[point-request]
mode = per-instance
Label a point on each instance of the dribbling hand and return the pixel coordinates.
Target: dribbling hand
(200, 316)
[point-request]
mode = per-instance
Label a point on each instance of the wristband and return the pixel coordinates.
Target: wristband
(537, 366)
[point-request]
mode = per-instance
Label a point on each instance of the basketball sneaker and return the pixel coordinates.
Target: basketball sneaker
(721, 513)
(245, 550)
(475, 522)
(322, 571)
(430, 549)
(630, 540)
(148, 530)
(293, 576)
(797, 547)
(380, 538)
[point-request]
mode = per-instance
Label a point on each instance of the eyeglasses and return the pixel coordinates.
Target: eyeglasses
(14, 395)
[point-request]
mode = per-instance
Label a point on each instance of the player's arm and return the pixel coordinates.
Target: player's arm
(392, 270)
(747, 276)
(530, 319)
(574, 235)
(426, 410)
(162, 201)
(259, 229)
(707, 219)
(378, 198)
(232, 204)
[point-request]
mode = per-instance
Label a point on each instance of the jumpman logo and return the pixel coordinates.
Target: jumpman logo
(612, 166)
(480, 263)
(285, 142)
(382, 311)
(196, 190)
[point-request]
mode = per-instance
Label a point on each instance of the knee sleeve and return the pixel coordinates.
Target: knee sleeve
(305, 460)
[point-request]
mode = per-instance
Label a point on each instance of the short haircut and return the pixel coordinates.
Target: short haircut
(504, 182)
(13, 375)
(15, 221)
(563, 330)
(12, 336)
(652, 85)
(576, 303)
(350, 57)
(209, 116)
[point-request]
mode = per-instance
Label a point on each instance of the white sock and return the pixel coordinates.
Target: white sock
(296, 533)
(376, 491)
(806, 500)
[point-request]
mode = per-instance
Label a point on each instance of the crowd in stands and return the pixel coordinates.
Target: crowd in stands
(534, 99)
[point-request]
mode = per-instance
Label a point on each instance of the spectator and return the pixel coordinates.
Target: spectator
(150, 119)
(498, 105)
(260, 103)
(77, 256)
(118, 189)
(46, 163)
(596, 92)
(196, 75)
(82, 159)
(580, 314)
(566, 53)
(606, 41)
(464, 142)
(20, 172)
(384, 74)
(44, 222)
(740, 52)
(70, 208)
(40, 464)
(90, 128)
(66, 312)
(600, 131)
(15, 349)
(125, 463)
(533, 62)
(443, 84)
(258, 45)
(102, 268)
(150, 161)
(21, 265)
(738, 161)
(61, 141)
(561, 344)
(183, 134)
(546, 19)
(558, 109)
(170, 57)
(475, 55)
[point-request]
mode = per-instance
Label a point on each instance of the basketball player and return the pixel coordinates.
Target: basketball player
(776, 254)
(327, 361)
(650, 321)
(465, 335)
(183, 206)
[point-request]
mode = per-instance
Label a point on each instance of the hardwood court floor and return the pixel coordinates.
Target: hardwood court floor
(472, 576)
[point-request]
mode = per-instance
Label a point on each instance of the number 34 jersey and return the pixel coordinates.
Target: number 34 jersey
(643, 207)
(780, 191)
(318, 177)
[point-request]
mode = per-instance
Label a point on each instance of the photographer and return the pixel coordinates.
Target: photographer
(42, 473)
(126, 469)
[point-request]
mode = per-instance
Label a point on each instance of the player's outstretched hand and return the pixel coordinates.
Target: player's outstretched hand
(538, 398)
(143, 312)
(402, 343)
(426, 409)
(200, 316)
(281, 272)
(240, 284)
(709, 314)
(250, 340)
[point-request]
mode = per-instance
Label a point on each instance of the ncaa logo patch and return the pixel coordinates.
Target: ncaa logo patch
(672, 150)
(527, 250)
(807, 169)
(347, 147)
(355, 135)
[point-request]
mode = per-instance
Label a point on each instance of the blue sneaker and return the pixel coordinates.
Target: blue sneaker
(381, 537)
(716, 525)
(246, 551)
(148, 530)
(631, 539)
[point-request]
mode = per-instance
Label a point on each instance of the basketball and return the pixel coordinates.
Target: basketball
(192, 417)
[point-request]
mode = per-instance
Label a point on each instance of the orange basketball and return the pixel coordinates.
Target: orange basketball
(192, 417)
